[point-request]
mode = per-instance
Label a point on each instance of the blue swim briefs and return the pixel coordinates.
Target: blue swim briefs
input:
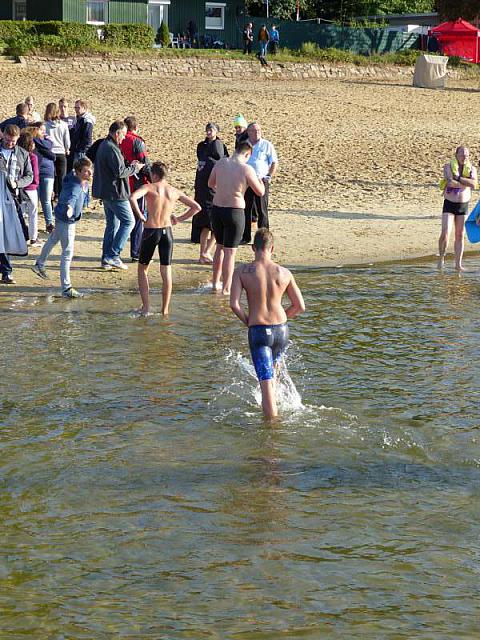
(267, 343)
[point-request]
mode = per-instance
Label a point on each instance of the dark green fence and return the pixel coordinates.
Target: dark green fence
(365, 41)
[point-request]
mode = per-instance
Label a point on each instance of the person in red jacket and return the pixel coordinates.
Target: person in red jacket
(133, 148)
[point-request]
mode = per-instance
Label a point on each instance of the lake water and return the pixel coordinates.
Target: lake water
(143, 495)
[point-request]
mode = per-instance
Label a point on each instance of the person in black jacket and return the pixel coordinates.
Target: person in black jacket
(208, 152)
(110, 184)
(20, 120)
(81, 135)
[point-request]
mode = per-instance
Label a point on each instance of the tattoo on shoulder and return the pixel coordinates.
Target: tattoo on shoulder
(249, 268)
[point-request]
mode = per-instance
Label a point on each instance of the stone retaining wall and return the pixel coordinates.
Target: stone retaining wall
(202, 67)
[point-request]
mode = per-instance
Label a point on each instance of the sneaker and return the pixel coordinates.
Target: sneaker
(72, 293)
(40, 271)
(134, 260)
(36, 243)
(116, 263)
(8, 280)
(106, 267)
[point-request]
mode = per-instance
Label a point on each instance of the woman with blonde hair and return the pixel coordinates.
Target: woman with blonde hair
(58, 132)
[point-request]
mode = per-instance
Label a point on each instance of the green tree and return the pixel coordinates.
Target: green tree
(453, 9)
(163, 35)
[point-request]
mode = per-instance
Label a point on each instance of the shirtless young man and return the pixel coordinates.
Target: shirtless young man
(265, 282)
(230, 178)
(161, 198)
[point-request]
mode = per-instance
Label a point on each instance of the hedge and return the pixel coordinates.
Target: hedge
(129, 36)
(22, 37)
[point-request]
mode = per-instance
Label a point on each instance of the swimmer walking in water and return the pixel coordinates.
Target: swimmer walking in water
(265, 282)
(230, 178)
(161, 198)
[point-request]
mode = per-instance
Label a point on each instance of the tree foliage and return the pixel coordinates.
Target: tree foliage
(344, 9)
(453, 9)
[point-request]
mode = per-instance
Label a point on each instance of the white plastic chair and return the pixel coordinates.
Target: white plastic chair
(173, 40)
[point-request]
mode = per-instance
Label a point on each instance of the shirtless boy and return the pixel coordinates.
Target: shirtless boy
(161, 198)
(230, 178)
(265, 282)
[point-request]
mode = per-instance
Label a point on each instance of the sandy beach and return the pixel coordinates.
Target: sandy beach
(360, 161)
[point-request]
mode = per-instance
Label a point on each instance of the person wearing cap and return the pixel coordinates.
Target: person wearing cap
(240, 125)
(209, 151)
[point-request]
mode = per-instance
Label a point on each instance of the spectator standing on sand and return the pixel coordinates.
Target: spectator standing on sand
(133, 148)
(57, 131)
(209, 151)
(46, 165)
(264, 160)
(248, 38)
(110, 184)
(15, 173)
(263, 40)
(460, 177)
(64, 115)
(32, 114)
(30, 203)
(240, 125)
(19, 120)
(81, 135)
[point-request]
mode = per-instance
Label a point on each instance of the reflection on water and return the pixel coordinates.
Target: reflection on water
(143, 496)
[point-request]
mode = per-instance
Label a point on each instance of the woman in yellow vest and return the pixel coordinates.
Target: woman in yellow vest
(460, 177)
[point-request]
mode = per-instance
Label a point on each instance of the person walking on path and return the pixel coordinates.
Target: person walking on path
(460, 177)
(248, 38)
(263, 40)
(161, 198)
(209, 151)
(68, 212)
(110, 184)
(265, 283)
(230, 178)
(264, 161)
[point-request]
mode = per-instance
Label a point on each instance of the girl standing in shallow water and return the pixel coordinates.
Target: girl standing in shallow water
(460, 177)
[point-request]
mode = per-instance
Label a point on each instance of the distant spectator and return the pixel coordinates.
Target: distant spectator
(33, 115)
(248, 38)
(192, 33)
(20, 120)
(46, 164)
(274, 39)
(240, 125)
(263, 39)
(81, 136)
(64, 115)
(31, 191)
(58, 132)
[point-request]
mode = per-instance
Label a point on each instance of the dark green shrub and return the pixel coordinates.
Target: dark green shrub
(455, 61)
(20, 44)
(83, 33)
(16, 28)
(163, 37)
(132, 36)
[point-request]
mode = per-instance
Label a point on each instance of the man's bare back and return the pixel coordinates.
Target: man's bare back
(230, 178)
(161, 199)
(265, 285)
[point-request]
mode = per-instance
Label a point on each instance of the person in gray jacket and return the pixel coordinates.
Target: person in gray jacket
(110, 184)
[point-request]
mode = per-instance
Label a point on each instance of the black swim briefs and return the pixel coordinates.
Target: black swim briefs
(152, 238)
(228, 225)
(457, 208)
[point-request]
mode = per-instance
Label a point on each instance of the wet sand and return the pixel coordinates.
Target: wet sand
(359, 161)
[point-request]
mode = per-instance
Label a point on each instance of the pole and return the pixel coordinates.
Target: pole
(298, 10)
(268, 12)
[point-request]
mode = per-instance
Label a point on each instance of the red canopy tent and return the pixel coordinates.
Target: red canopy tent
(458, 38)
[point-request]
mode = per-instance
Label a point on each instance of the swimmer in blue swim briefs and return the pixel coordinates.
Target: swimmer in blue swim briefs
(265, 282)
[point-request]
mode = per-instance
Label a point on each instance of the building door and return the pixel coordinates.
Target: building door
(157, 12)
(19, 9)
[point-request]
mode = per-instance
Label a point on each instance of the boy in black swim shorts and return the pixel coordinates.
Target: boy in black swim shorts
(161, 198)
(265, 282)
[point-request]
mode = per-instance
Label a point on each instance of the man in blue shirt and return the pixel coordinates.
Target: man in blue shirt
(67, 213)
(264, 160)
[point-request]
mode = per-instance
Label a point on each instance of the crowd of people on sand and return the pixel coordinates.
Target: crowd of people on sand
(50, 161)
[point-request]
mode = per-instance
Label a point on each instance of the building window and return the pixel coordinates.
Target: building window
(97, 11)
(157, 13)
(19, 10)
(214, 15)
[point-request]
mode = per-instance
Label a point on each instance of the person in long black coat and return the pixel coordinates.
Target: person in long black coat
(209, 151)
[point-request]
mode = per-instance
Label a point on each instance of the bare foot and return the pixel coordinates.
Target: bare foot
(216, 286)
(458, 267)
(441, 263)
(144, 313)
(205, 260)
(226, 292)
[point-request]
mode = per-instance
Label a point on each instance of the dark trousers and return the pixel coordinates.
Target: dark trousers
(5, 266)
(136, 233)
(247, 46)
(60, 171)
(256, 207)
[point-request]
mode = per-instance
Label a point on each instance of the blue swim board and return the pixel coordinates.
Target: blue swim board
(471, 226)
